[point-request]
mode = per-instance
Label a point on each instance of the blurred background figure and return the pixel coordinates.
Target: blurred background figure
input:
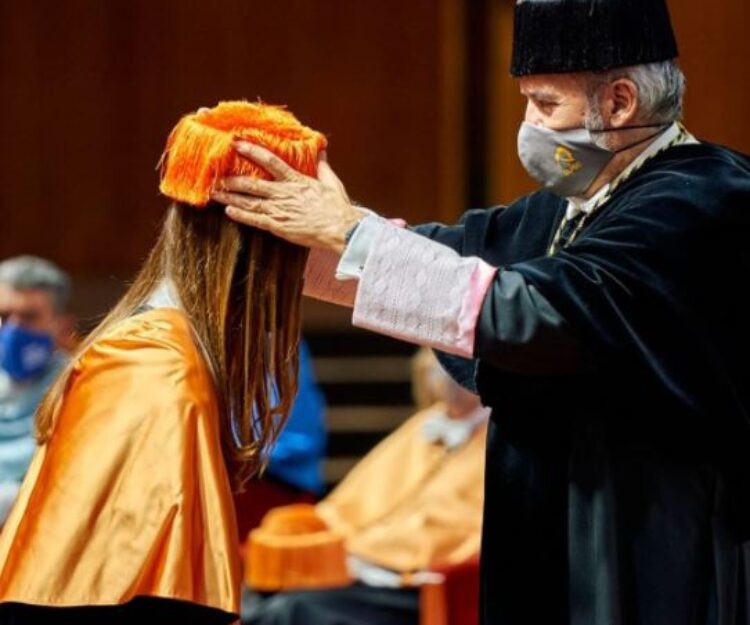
(412, 504)
(35, 329)
(296, 456)
(294, 471)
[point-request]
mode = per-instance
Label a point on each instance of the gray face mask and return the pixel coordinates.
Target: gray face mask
(566, 162)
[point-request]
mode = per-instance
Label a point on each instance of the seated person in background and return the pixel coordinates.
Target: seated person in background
(35, 327)
(413, 503)
(294, 471)
(297, 455)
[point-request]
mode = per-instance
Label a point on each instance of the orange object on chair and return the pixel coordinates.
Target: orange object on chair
(294, 549)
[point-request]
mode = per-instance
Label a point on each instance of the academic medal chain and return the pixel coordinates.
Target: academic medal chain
(570, 228)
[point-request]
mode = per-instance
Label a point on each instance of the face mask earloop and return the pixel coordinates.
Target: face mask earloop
(663, 129)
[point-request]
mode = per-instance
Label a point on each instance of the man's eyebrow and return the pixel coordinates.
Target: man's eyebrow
(540, 94)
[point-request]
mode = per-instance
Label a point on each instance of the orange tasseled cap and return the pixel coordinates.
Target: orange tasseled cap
(294, 549)
(199, 150)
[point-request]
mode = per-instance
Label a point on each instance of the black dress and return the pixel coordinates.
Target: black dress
(618, 459)
(139, 611)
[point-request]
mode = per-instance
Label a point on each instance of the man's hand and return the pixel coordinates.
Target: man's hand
(314, 212)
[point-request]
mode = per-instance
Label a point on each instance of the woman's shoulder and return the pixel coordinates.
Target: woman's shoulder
(155, 347)
(165, 327)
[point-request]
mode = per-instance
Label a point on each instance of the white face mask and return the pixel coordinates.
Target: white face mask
(566, 162)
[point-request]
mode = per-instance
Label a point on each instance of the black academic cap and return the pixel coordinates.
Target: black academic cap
(560, 36)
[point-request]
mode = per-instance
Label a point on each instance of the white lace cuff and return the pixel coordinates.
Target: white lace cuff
(420, 291)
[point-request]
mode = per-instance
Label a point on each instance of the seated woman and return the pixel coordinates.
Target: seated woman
(126, 511)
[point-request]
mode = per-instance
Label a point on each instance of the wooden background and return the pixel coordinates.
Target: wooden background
(414, 96)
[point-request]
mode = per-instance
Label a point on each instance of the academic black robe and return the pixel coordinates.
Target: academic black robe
(618, 461)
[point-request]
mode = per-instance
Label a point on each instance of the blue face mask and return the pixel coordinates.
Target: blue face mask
(24, 354)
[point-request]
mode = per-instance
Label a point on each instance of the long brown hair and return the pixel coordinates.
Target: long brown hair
(241, 290)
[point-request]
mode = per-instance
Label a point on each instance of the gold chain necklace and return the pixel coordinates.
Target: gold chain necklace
(558, 243)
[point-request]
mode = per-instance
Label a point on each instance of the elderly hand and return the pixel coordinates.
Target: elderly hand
(314, 212)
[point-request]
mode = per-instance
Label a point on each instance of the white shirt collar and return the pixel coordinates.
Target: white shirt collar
(440, 428)
(579, 205)
(164, 296)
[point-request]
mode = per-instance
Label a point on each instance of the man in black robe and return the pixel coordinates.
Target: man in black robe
(601, 314)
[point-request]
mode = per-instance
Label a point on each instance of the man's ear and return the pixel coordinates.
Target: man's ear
(624, 102)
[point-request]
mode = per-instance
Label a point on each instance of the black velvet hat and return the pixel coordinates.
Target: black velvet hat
(560, 36)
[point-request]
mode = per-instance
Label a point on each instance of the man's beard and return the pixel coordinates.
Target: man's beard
(595, 121)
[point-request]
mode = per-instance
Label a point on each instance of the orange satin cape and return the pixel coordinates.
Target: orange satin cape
(411, 505)
(130, 496)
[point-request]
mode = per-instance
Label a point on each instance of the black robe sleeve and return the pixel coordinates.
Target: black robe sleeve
(533, 334)
(636, 283)
(644, 283)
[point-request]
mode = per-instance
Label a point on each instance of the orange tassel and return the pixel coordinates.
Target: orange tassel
(199, 150)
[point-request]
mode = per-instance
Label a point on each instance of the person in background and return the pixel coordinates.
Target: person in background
(35, 327)
(296, 457)
(413, 503)
(294, 468)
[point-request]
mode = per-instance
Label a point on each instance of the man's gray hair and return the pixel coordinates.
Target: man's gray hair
(661, 90)
(24, 273)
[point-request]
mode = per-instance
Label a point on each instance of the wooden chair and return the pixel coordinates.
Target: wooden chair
(455, 599)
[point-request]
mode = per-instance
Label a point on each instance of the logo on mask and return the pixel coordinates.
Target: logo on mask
(566, 161)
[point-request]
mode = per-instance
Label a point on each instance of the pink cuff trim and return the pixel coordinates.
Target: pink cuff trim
(320, 279)
(476, 290)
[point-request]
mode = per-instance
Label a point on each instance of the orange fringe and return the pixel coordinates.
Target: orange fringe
(294, 549)
(199, 150)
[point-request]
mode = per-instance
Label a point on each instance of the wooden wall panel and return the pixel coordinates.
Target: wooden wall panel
(715, 55)
(507, 179)
(92, 88)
